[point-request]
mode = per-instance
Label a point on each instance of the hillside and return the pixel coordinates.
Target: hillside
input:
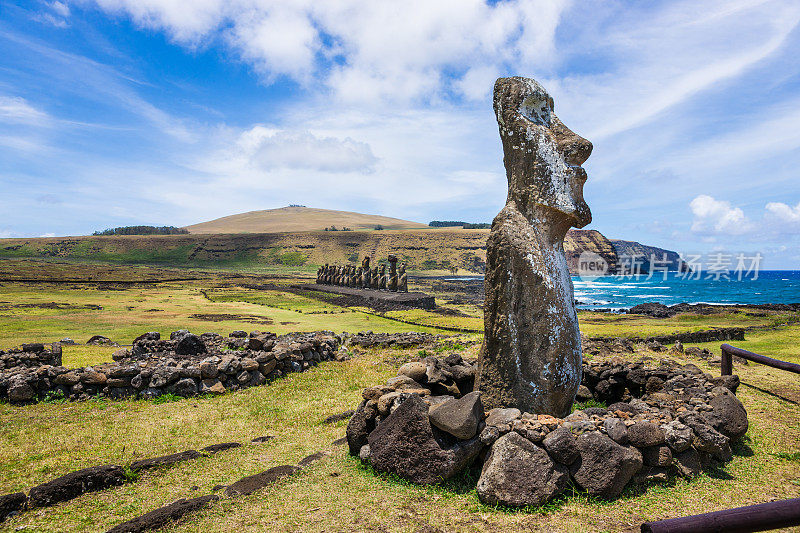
(440, 249)
(294, 219)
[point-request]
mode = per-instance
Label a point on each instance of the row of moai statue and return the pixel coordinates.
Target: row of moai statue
(364, 277)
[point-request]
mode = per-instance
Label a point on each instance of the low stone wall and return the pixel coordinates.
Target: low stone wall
(709, 335)
(427, 425)
(184, 365)
(30, 356)
(408, 339)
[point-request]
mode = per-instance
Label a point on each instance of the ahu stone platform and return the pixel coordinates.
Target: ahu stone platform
(656, 423)
(419, 300)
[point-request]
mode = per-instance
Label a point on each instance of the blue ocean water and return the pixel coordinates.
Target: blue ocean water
(617, 292)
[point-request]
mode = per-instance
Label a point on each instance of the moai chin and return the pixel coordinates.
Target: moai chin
(531, 353)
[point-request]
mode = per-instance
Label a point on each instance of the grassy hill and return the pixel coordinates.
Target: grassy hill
(296, 219)
(294, 237)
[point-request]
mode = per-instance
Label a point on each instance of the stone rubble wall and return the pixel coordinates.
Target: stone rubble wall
(30, 356)
(407, 339)
(185, 365)
(710, 335)
(426, 425)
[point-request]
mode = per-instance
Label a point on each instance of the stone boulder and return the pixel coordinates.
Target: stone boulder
(727, 415)
(518, 473)
(459, 417)
(404, 444)
(361, 424)
(414, 370)
(190, 344)
(644, 434)
(10, 504)
(562, 446)
(74, 484)
(603, 467)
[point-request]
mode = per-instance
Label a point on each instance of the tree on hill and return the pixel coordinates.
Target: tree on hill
(143, 230)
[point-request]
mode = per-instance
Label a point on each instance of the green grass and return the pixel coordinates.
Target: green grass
(42, 441)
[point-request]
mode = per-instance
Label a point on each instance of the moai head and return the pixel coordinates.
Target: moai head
(365, 263)
(541, 155)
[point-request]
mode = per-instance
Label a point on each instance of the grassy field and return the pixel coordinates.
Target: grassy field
(45, 440)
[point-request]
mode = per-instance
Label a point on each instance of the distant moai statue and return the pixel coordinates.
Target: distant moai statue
(320, 273)
(339, 275)
(359, 277)
(365, 281)
(531, 354)
(382, 278)
(392, 281)
(402, 279)
(375, 278)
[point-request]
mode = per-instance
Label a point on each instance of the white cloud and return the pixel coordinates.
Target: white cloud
(267, 149)
(713, 216)
(366, 51)
(784, 214)
(60, 8)
(16, 109)
(47, 235)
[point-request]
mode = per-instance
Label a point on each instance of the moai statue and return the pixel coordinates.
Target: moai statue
(402, 279)
(531, 353)
(360, 278)
(375, 278)
(320, 273)
(365, 284)
(382, 278)
(339, 275)
(367, 278)
(392, 282)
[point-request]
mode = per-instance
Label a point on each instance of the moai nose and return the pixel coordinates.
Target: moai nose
(575, 148)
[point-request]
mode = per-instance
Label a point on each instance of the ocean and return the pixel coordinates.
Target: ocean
(616, 292)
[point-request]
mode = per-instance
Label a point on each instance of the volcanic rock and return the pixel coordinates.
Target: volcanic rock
(519, 473)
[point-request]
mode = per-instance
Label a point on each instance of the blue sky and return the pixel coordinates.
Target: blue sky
(122, 112)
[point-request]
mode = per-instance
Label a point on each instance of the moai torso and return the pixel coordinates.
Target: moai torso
(531, 354)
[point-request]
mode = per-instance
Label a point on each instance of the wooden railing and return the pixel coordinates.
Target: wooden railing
(729, 351)
(761, 517)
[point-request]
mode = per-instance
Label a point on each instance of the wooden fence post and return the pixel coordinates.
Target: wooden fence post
(727, 362)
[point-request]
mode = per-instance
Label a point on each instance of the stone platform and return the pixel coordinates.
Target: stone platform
(409, 299)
